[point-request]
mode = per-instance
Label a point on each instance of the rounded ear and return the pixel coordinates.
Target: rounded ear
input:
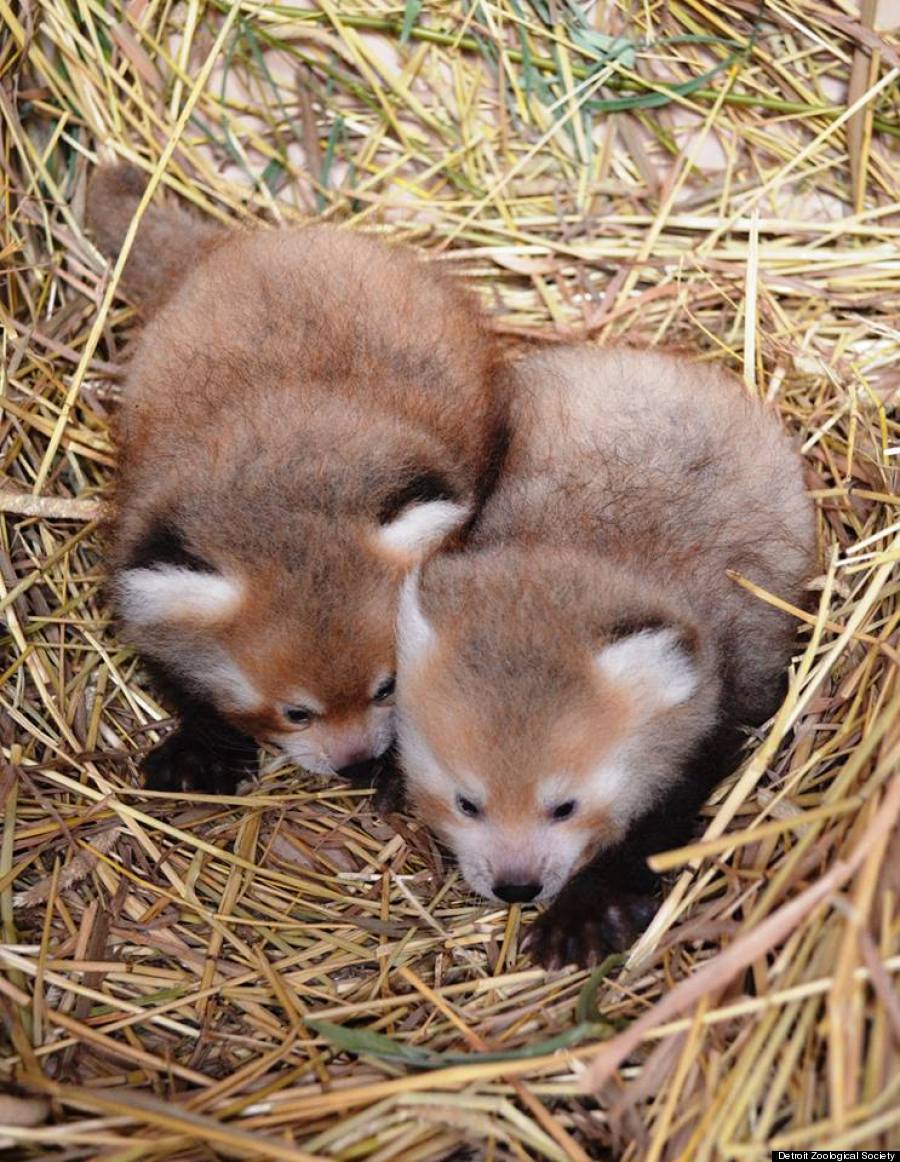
(415, 637)
(171, 593)
(660, 660)
(170, 240)
(420, 528)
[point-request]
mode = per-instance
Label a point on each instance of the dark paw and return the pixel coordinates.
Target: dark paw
(387, 781)
(185, 761)
(584, 935)
(361, 774)
(390, 793)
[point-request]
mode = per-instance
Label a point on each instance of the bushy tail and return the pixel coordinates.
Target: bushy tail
(170, 241)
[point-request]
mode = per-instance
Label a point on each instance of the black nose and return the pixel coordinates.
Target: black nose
(358, 773)
(517, 893)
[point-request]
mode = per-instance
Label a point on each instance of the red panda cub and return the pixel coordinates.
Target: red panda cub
(307, 414)
(571, 686)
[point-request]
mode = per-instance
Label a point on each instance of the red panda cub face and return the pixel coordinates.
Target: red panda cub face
(290, 651)
(326, 699)
(529, 741)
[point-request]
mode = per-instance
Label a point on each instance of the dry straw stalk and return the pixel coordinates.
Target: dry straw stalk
(281, 975)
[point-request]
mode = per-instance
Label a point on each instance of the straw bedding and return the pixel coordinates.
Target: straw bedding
(283, 974)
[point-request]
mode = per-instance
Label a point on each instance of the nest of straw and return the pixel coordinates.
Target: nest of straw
(282, 975)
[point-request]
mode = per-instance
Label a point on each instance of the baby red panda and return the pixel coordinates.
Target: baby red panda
(307, 414)
(571, 686)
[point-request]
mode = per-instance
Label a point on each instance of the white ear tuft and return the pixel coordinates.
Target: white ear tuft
(414, 635)
(169, 593)
(421, 527)
(656, 660)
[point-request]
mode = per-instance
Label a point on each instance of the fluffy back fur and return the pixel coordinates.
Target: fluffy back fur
(307, 414)
(669, 468)
(557, 679)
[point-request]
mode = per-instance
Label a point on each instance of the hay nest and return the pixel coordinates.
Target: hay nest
(281, 975)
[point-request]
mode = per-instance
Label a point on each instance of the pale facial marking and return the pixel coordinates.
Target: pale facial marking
(607, 781)
(421, 764)
(167, 593)
(229, 686)
(415, 637)
(421, 527)
(302, 751)
(324, 748)
(536, 852)
(557, 788)
(532, 848)
(302, 698)
(515, 839)
(383, 728)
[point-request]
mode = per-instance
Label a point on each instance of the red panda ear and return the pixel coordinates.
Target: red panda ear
(415, 637)
(170, 240)
(659, 660)
(171, 593)
(420, 528)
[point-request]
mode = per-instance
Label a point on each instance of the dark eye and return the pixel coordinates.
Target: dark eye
(298, 715)
(563, 810)
(468, 807)
(385, 690)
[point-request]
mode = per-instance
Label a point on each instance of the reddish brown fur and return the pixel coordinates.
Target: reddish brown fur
(288, 383)
(666, 467)
(633, 483)
(303, 346)
(469, 721)
(509, 690)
